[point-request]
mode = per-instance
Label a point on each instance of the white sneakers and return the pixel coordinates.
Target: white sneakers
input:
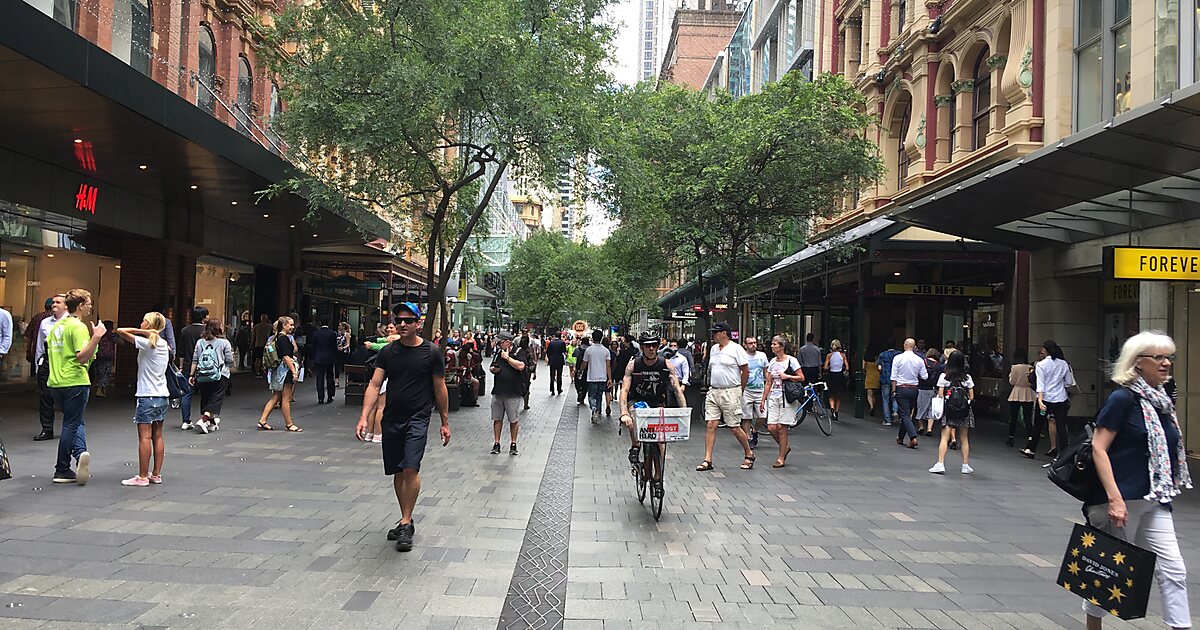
(940, 469)
(82, 468)
(208, 426)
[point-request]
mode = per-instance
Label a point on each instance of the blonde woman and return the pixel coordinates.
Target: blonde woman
(282, 379)
(152, 395)
(780, 413)
(836, 367)
(1140, 460)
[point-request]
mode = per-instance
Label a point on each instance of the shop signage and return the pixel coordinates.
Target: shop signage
(939, 290)
(1157, 263)
(1122, 292)
(344, 289)
(85, 199)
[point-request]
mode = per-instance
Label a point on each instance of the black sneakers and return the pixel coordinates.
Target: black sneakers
(404, 537)
(512, 448)
(394, 533)
(64, 477)
(496, 448)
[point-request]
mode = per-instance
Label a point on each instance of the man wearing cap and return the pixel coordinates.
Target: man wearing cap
(416, 376)
(507, 390)
(728, 371)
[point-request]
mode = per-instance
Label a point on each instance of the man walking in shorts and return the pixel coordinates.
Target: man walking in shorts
(507, 391)
(416, 376)
(728, 372)
(752, 411)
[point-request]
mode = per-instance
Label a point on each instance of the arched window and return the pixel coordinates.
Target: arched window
(276, 104)
(139, 48)
(245, 91)
(901, 154)
(982, 101)
(207, 70)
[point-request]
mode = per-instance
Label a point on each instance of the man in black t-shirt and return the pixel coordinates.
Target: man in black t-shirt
(509, 367)
(416, 379)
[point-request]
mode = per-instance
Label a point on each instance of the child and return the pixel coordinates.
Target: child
(152, 395)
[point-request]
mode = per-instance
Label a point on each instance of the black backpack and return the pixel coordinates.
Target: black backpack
(1074, 471)
(958, 403)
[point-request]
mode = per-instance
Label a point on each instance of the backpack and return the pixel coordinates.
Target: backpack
(271, 358)
(208, 368)
(1074, 471)
(958, 403)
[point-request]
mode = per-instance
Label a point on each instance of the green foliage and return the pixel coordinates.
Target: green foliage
(416, 108)
(541, 278)
(722, 181)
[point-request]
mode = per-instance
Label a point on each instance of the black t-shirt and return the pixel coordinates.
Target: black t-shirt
(188, 337)
(651, 384)
(1129, 452)
(285, 347)
(622, 361)
(410, 372)
(556, 352)
(509, 382)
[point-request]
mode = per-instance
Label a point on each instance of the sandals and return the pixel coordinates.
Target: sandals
(781, 462)
(292, 428)
(704, 465)
(748, 463)
(263, 426)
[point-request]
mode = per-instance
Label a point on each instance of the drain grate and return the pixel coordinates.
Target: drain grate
(537, 594)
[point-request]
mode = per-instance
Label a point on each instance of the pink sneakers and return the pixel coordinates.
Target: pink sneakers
(135, 480)
(156, 479)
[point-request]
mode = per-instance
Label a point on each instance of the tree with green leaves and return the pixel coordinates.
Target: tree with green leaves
(417, 108)
(631, 264)
(542, 278)
(718, 179)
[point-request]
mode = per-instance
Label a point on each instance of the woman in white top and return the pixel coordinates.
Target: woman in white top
(836, 367)
(955, 382)
(1054, 376)
(780, 413)
(152, 395)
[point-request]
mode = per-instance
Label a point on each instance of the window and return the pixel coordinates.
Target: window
(1103, 80)
(902, 14)
(901, 154)
(207, 71)
(139, 49)
(982, 102)
(953, 129)
(245, 95)
(66, 12)
(276, 105)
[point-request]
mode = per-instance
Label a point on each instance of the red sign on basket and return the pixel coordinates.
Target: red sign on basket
(85, 199)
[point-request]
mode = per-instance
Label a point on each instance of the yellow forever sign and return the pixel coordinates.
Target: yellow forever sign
(1145, 263)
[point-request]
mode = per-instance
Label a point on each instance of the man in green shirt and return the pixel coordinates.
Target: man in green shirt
(70, 349)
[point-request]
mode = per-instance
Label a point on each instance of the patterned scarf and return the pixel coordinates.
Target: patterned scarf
(1165, 483)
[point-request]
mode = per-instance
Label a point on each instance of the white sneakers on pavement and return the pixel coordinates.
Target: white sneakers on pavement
(938, 469)
(966, 469)
(82, 470)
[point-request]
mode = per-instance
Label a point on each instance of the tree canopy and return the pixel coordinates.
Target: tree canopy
(416, 108)
(718, 181)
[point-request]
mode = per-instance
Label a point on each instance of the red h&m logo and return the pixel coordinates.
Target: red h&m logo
(85, 199)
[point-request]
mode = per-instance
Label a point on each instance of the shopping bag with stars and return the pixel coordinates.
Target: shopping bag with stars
(1108, 572)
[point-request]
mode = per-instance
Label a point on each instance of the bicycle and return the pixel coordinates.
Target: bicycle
(812, 396)
(656, 427)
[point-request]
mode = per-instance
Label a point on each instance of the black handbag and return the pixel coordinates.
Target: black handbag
(5, 467)
(1073, 469)
(1108, 572)
(177, 384)
(793, 391)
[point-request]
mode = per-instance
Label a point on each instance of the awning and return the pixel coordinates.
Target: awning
(856, 233)
(56, 86)
(1139, 170)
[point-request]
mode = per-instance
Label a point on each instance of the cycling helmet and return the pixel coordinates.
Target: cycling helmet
(648, 337)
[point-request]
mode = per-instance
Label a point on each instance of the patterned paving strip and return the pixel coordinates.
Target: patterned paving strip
(537, 594)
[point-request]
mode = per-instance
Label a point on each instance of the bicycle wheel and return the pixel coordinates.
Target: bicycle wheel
(639, 479)
(824, 418)
(656, 498)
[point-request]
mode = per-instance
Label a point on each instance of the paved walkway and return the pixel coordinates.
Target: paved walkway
(266, 530)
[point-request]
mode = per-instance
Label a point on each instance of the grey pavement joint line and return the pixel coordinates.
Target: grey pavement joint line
(537, 594)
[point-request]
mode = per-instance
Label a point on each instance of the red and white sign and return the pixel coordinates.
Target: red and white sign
(663, 424)
(85, 199)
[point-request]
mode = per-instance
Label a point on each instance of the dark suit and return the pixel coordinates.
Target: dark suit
(323, 342)
(556, 356)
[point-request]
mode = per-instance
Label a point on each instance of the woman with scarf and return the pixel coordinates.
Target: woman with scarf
(1140, 461)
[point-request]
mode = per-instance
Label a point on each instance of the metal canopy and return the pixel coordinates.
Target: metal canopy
(1140, 169)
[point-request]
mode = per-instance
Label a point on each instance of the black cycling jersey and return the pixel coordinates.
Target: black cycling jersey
(650, 384)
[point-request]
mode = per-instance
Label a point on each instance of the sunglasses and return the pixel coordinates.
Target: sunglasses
(406, 320)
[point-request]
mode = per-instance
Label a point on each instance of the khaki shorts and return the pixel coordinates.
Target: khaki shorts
(750, 405)
(506, 406)
(724, 406)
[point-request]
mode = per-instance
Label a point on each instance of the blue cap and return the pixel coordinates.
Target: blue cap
(411, 307)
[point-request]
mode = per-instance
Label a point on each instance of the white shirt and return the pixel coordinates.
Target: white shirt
(1053, 378)
(152, 367)
(777, 367)
(43, 330)
(679, 364)
(944, 382)
(908, 368)
(725, 365)
(836, 363)
(597, 357)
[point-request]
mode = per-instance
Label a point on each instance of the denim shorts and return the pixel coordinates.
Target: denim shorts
(150, 409)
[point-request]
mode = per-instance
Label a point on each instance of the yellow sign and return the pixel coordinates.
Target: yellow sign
(1144, 263)
(462, 289)
(1121, 292)
(939, 290)
(579, 326)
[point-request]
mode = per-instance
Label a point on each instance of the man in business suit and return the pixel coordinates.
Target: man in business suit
(324, 354)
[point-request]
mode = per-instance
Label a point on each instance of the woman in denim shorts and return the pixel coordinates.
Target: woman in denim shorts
(152, 395)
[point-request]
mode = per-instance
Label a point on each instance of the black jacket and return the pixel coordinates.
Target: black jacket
(324, 346)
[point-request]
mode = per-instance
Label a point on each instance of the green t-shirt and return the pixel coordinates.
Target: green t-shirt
(66, 339)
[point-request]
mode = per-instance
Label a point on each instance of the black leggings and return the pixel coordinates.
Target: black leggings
(1062, 427)
(1017, 410)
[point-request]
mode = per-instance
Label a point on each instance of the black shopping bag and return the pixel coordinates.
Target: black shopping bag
(5, 468)
(1108, 572)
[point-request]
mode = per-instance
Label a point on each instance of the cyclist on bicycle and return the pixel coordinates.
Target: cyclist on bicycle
(646, 380)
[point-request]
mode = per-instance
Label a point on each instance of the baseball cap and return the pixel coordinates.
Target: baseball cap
(722, 327)
(410, 307)
(504, 335)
